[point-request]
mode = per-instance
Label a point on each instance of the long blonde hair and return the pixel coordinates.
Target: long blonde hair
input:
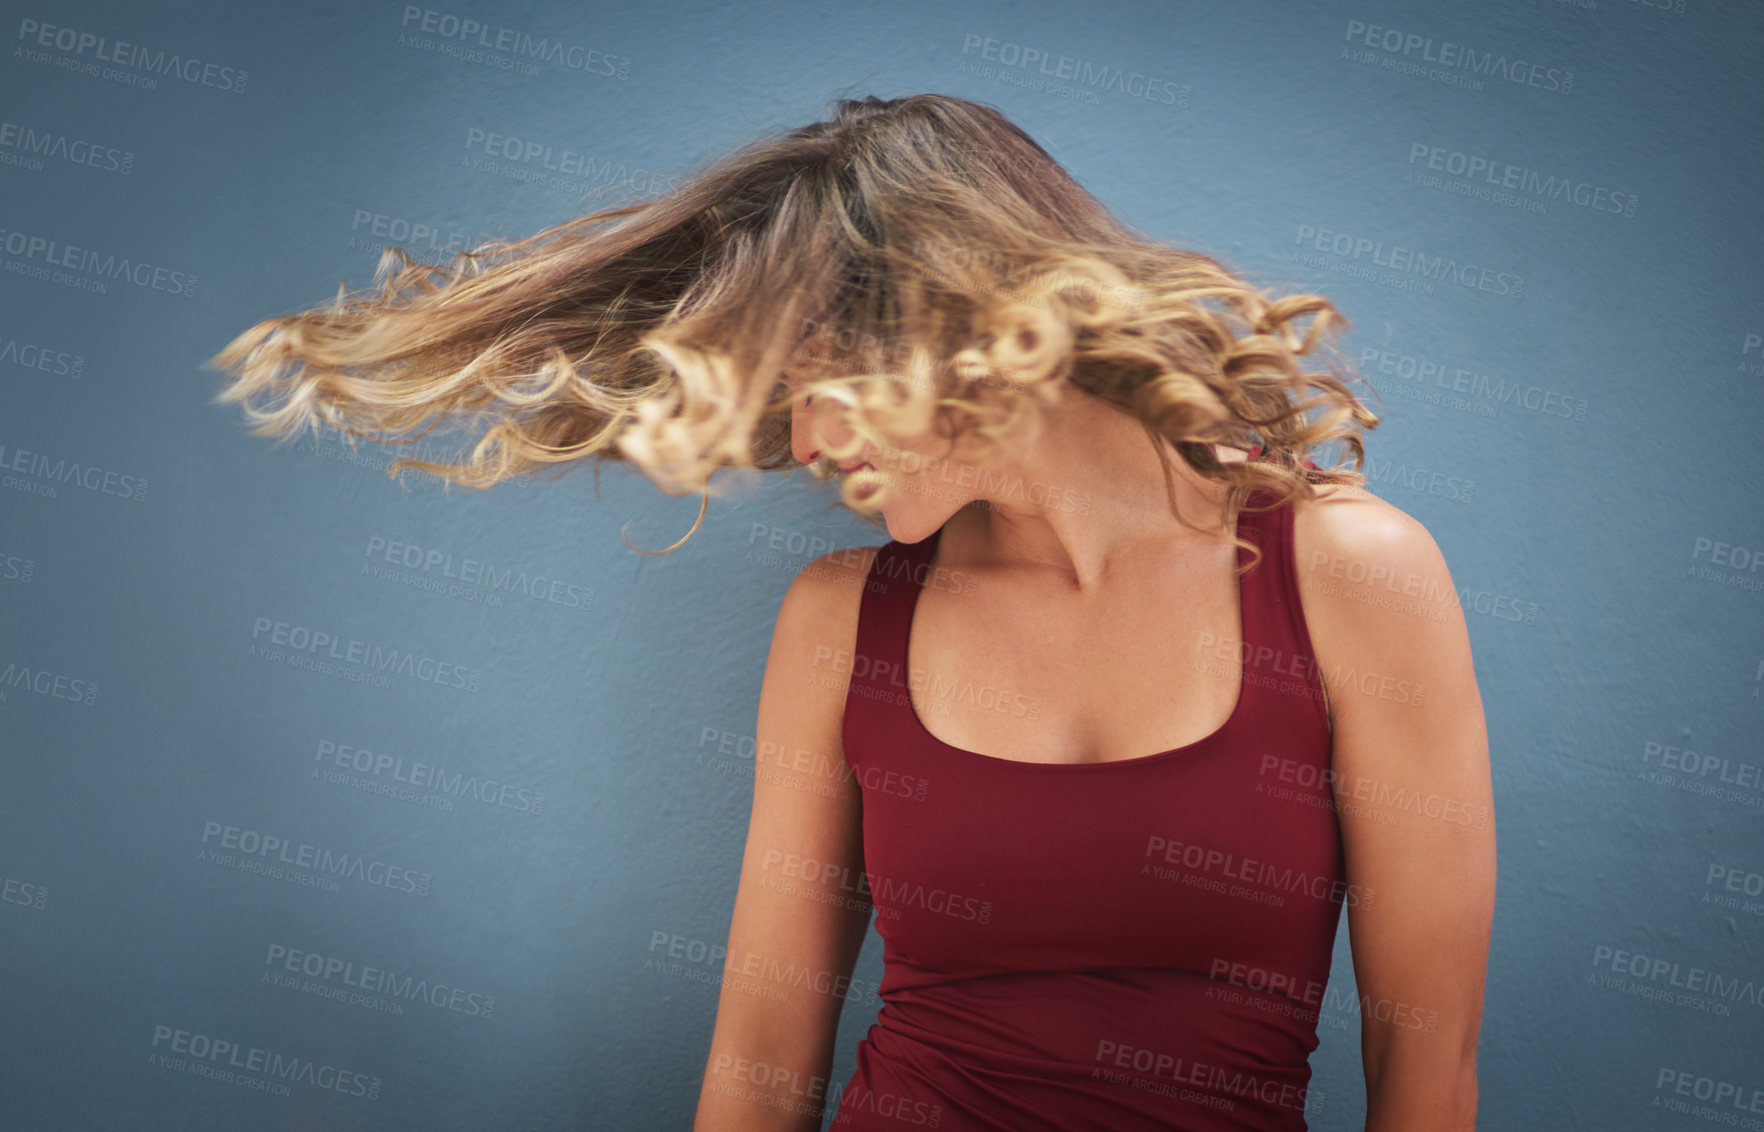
(929, 260)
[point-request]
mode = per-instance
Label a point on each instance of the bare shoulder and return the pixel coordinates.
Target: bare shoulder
(824, 597)
(1348, 528)
(1374, 587)
(835, 580)
(813, 650)
(1347, 521)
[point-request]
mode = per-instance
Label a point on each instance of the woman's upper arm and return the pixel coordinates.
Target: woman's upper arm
(1414, 795)
(801, 907)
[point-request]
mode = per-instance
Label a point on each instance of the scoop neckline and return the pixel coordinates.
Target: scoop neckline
(905, 699)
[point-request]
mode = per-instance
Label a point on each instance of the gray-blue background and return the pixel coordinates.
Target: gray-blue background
(1585, 452)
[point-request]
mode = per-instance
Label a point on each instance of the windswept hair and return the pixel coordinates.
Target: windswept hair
(921, 261)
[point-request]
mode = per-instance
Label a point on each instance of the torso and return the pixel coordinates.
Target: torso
(1053, 890)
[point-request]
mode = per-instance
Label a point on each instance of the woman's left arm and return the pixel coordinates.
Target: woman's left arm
(1415, 801)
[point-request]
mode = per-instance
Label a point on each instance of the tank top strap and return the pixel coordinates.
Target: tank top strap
(879, 656)
(1276, 651)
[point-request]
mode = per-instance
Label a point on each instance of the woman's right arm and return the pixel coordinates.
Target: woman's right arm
(801, 908)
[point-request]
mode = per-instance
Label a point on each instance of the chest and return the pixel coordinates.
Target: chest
(1018, 669)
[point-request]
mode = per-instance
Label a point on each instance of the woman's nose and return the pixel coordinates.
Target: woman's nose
(812, 427)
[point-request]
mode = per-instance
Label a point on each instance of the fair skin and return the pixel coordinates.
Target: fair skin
(1073, 542)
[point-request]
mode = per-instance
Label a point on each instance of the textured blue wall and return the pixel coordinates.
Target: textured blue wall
(1576, 417)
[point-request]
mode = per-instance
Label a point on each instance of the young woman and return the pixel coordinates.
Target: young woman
(1134, 701)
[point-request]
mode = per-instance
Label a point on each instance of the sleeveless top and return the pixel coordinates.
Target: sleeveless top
(1127, 945)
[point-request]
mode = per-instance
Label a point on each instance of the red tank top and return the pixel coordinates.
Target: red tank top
(1128, 945)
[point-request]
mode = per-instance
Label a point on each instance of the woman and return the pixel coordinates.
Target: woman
(1039, 403)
